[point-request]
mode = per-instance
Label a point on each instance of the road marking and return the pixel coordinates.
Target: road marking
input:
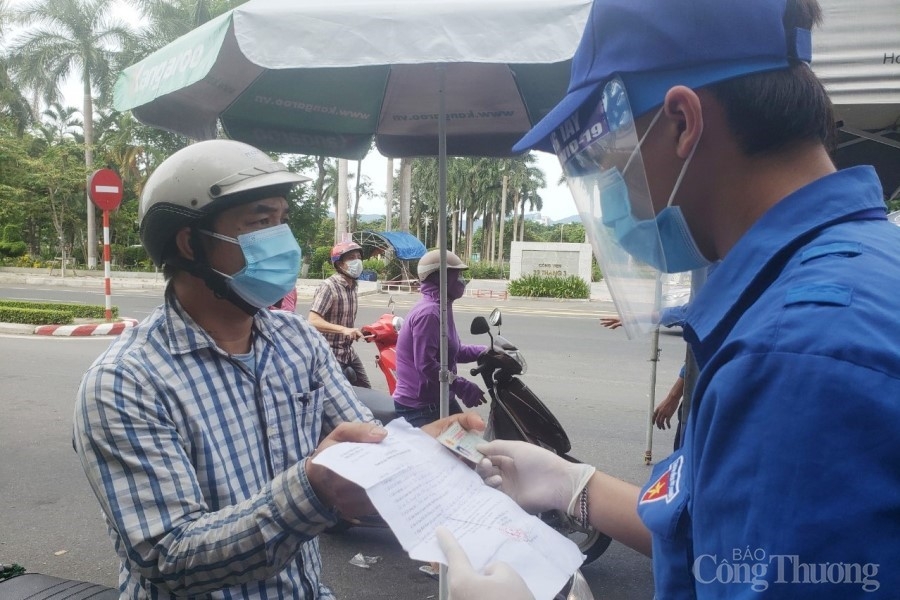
(578, 312)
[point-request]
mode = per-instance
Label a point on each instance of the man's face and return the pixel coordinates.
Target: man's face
(352, 255)
(661, 164)
(244, 218)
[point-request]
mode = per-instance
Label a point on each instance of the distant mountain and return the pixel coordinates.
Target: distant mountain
(572, 219)
(548, 221)
(363, 217)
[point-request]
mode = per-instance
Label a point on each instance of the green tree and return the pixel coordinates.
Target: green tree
(171, 19)
(63, 37)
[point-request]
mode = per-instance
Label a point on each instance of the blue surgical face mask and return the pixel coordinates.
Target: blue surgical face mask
(664, 242)
(272, 263)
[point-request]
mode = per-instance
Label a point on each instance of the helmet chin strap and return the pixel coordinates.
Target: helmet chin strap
(216, 282)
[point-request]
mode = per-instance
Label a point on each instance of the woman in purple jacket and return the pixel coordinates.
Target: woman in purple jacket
(418, 392)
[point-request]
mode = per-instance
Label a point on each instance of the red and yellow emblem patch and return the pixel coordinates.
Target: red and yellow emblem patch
(659, 490)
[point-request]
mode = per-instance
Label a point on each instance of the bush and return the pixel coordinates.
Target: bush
(12, 233)
(535, 286)
(13, 249)
(485, 270)
(320, 263)
(34, 316)
(78, 311)
(136, 256)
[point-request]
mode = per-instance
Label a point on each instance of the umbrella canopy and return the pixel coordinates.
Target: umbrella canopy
(326, 76)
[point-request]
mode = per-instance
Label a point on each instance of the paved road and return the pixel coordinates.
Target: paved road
(595, 381)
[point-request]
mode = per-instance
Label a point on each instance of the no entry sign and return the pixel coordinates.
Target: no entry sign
(105, 189)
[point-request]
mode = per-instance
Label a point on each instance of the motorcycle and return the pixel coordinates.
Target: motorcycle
(383, 333)
(516, 413)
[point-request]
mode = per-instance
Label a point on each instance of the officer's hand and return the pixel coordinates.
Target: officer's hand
(344, 496)
(537, 479)
(499, 580)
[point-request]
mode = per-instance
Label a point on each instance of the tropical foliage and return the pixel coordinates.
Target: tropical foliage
(48, 148)
(536, 286)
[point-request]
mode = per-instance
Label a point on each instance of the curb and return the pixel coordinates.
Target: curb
(86, 330)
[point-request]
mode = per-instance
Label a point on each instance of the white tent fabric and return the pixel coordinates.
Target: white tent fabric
(856, 53)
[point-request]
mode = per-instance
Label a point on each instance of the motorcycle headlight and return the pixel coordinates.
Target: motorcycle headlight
(517, 356)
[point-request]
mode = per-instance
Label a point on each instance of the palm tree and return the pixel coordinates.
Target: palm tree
(67, 36)
(171, 19)
(61, 122)
(13, 104)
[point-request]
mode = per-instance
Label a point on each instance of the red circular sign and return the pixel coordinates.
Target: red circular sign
(105, 189)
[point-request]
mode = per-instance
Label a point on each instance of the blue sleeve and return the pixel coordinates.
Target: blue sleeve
(794, 459)
(674, 315)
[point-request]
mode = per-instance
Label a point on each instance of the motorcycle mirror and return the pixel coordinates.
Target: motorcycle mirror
(479, 326)
(397, 323)
(391, 303)
(496, 318)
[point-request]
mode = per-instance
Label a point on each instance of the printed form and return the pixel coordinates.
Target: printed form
(417, 485)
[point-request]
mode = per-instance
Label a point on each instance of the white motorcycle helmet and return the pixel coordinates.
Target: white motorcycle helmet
(431, 263)
(201, 180)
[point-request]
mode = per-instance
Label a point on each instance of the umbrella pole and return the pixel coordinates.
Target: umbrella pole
(654, 361)
(444, 593)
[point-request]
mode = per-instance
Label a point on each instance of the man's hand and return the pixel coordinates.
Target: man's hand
(499, 580)
(354, 334)
(470, 422)
(662, 414)
(537, 479)
(345, 497)
(611, 322)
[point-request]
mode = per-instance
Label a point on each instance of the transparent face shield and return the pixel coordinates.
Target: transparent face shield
(599, 151)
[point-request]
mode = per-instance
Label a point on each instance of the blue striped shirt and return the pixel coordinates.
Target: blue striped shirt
(198, 462)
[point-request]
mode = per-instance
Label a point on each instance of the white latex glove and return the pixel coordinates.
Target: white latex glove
(499, 580)
(537, 479)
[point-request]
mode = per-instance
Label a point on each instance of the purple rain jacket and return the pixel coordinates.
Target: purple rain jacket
(419, 353)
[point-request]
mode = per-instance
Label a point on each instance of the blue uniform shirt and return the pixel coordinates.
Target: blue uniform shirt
(788, 484)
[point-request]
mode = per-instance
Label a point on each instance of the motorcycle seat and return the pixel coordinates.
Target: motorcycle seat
(380, 403)
(35, 586)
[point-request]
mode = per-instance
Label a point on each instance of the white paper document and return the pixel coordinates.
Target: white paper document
(416, 484)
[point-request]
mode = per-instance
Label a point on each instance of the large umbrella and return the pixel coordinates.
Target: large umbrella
(325, 77)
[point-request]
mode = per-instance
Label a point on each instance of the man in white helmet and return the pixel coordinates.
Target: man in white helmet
(195, 429)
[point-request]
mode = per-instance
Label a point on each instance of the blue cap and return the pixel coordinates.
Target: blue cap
(654, 45)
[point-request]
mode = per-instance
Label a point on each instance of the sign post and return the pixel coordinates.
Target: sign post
(105, 191)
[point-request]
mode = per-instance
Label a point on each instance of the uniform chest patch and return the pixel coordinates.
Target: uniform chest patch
(667, 486)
